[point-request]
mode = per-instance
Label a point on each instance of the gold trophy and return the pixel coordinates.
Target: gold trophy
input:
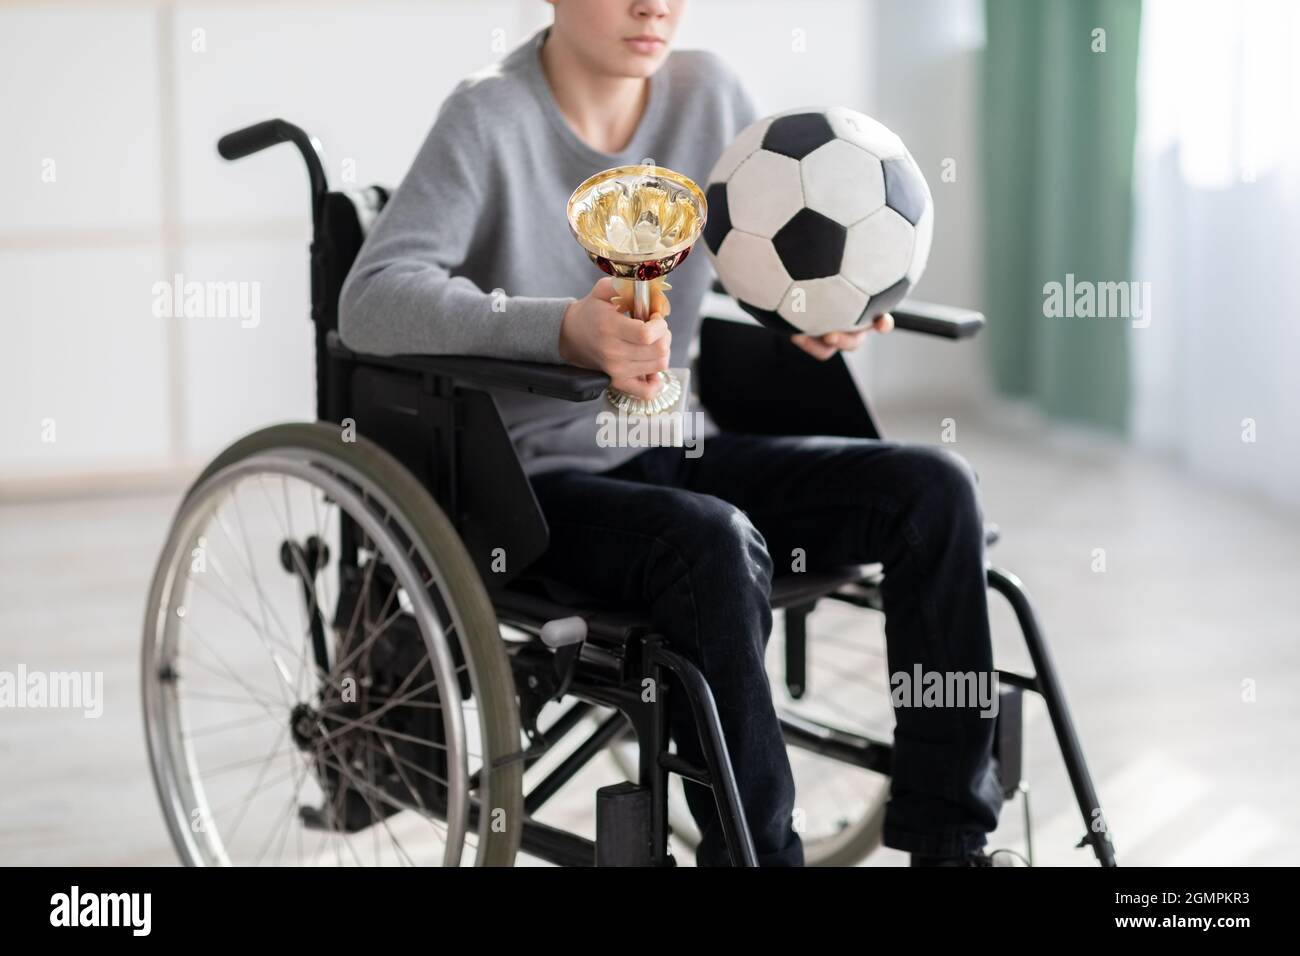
(639, 223)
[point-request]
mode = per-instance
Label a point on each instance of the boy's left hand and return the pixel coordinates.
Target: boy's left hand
(822, 347)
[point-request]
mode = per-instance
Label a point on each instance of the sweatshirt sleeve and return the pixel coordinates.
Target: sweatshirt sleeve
(401, 296)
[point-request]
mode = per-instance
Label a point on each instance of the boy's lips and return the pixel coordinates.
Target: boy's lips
(646, 43)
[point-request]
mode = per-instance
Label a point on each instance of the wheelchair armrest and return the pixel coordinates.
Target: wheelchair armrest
(946, 321)
(566, 382)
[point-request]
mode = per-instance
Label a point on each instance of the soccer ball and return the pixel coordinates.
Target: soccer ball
(819, 220)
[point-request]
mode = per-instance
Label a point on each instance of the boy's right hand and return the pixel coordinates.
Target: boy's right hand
(596, 333)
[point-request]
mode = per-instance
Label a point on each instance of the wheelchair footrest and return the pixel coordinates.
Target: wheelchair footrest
(623, 826)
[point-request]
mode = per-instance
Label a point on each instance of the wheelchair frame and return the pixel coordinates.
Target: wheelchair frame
(433, 414)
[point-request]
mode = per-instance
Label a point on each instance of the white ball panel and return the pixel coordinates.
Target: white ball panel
(764, 192)
(744, 146)
(751, 270)
(878, 251)
(829, 305)
(842, 181)
(861, 130)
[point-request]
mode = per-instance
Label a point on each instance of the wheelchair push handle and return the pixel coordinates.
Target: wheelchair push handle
(254, 139)
(259, 136)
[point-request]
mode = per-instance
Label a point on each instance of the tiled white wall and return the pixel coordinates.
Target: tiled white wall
(81, 350)
(81, 357)
(80, 87)
(242, 374)
(128, 99)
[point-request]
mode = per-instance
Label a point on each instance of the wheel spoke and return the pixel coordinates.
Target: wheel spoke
(364, 785)
(264, 629)
(380, 817)
(309, 579)
(230, 673)
(224, 725)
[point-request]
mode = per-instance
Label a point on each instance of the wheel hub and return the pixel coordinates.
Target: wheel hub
(304, 725)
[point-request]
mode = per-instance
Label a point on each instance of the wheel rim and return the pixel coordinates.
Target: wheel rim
(325, 738)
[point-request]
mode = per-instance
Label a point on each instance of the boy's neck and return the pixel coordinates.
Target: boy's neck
(602, 110)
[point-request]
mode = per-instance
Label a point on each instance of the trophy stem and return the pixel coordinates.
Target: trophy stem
(641, 300)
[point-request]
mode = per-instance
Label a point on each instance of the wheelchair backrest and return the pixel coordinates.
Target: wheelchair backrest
(341, 223)
(345, 219)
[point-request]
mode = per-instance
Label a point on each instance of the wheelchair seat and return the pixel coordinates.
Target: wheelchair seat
(532, 599)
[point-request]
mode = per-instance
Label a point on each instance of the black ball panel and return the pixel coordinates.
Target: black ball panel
(798, 135)
(904, 189)
(719, 222)
(883, 301)
(810, 245)
(769, 318)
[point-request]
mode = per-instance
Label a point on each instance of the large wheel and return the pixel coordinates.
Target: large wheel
(323, 676)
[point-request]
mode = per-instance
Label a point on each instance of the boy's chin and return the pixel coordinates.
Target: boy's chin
(638, 65)
(640, 71)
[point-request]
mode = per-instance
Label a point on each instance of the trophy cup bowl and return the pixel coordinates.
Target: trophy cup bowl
(639, 223)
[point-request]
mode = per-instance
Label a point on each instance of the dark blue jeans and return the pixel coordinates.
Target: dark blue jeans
(696, 541)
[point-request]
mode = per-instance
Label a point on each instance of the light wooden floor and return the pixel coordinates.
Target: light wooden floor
(1200, 593)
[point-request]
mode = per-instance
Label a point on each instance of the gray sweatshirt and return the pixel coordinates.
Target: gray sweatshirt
(473, 256)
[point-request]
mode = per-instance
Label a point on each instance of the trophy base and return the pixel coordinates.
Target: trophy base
(660, 420)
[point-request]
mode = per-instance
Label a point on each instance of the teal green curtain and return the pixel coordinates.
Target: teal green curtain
(1059, 127)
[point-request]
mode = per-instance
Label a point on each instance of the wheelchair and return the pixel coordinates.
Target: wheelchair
(347, 661)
